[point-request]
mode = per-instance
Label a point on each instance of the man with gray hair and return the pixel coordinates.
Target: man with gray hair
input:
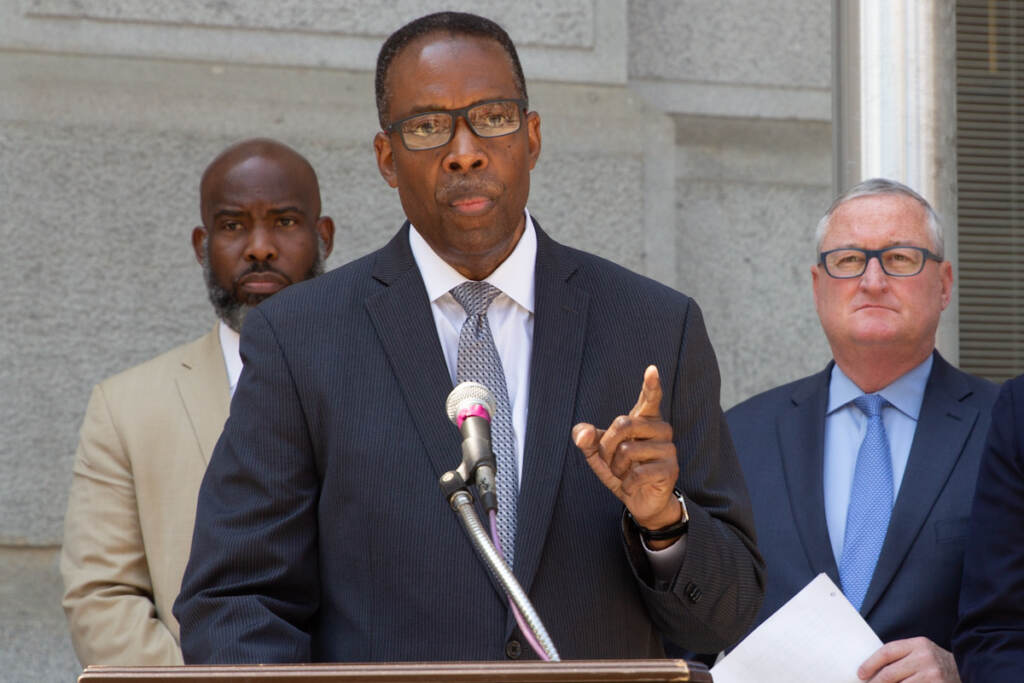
(866, 470)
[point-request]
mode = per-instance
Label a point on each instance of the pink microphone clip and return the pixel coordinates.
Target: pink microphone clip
(475, 410)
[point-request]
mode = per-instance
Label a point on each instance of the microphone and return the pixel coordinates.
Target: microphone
(470, 406)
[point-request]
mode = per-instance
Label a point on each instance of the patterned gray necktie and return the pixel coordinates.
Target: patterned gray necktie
(479, 362)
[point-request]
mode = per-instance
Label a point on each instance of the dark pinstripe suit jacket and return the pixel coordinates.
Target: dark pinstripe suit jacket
(989, 637)
(322, 534)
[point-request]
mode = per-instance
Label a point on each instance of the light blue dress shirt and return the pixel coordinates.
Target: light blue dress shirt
(845, 426)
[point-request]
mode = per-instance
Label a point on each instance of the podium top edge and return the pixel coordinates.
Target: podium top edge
(571, 671)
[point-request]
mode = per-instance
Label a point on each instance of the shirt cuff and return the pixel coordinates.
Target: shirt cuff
(665, 563)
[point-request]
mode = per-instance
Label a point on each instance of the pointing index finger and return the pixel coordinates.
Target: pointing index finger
(649, 402)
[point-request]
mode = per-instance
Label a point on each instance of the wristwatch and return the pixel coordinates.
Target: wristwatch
(668, 532)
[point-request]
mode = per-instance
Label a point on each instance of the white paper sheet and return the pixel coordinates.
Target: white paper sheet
(816, 637)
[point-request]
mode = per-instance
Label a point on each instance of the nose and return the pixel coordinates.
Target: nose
(874, 277)
(261, 246)
(465, 151)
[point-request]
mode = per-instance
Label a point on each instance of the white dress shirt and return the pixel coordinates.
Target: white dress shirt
(845, 426)
(510, 316)
(232, 358)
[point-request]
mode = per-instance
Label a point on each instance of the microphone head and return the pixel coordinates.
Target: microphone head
(465, 397)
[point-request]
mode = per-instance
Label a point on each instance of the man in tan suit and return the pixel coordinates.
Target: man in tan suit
(149, 431)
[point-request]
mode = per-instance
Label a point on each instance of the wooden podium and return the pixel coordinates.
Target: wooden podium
(578, 671)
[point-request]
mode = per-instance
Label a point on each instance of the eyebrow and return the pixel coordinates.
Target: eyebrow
(228, 213)
(896, 243)
(235, 213)
(286, 209)
(427, 108)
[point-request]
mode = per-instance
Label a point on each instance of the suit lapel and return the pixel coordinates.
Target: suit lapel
(401, 316)
(560, 315)
(405, 326)
(943, 426)
(204, 390)
(802, 448)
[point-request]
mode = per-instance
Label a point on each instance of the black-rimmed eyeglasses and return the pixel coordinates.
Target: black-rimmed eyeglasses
(431, 129)
(895, 261)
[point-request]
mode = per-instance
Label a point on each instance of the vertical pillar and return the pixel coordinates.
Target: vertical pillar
(894, 109)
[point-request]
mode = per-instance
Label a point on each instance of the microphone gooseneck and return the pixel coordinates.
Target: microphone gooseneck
(463, 506)
(470, 407)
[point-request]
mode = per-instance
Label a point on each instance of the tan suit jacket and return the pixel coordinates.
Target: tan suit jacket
(145, 442)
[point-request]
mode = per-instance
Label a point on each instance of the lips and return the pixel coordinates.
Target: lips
(875, 307)
(471, 198)
(265, 283)
(472, 206)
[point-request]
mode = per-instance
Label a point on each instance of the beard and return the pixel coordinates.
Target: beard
(230, 309)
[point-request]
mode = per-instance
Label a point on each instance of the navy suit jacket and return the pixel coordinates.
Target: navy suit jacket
(989, 639)
(322, 533)
(780, 441)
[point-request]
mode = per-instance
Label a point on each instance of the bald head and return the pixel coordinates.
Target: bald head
(263, 156)
(262, 229)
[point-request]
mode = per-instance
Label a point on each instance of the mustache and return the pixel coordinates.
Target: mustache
(228, 306)
(462, 187)
(262, 267)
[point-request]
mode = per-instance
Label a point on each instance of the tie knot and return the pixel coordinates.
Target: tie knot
(475, 295)
(870, 404)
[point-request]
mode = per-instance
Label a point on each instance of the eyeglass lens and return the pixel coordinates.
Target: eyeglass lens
(895, 261)
(488, 120)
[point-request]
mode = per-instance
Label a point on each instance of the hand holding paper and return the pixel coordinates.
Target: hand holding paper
(816, 637)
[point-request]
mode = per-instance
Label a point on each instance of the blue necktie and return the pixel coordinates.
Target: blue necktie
(867, 518)
(479, 362)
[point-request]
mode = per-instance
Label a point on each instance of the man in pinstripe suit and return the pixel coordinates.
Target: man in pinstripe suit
(320, 534)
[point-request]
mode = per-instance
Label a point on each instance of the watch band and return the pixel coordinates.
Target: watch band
(668, 532)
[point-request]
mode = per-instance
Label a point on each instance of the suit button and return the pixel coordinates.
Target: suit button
(693, 592)
(513, 649)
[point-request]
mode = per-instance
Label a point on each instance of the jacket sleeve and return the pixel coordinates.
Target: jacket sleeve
(108, 593)
(988, 641)
(716, 593)
(251, 587)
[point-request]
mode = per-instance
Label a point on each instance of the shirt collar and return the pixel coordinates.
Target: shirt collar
(514, 276)
(906, 393)
(229, 340)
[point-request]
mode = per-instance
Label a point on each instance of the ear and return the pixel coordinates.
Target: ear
(325, 228)
(946, 277)
(385, 158)
(199, 243)
(815, 276)
(533, 135)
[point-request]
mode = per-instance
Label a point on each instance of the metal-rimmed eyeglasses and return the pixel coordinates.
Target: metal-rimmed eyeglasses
(432, 129)
(850, 262)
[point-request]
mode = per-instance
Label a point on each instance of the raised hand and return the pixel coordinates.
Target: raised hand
(636, 458)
